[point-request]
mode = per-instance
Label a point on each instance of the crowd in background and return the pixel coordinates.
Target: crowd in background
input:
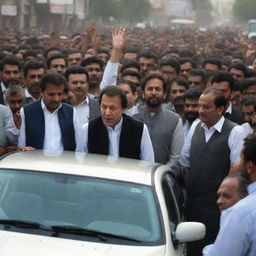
(184, 98)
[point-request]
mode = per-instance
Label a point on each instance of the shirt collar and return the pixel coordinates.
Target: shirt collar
(117, 126)
(229, 109)
(85, 101)
(251, 188)
(28, 95)
(46, 110)
(218, 126)
(3, 87)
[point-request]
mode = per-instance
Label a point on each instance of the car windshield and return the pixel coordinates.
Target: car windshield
(61, 200)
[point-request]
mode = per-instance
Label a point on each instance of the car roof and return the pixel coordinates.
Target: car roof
(100, 166)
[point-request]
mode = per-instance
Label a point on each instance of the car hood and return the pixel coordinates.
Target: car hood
(13, 244)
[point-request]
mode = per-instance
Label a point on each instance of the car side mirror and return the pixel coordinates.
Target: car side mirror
(189, 231)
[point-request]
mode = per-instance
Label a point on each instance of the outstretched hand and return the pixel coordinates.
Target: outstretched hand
(118, 37)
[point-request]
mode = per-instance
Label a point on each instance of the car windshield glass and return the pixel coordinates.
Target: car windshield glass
(50, 199)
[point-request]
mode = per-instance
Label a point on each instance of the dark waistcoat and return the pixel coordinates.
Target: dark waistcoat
(209, 164)
(130, 138)
(35, 126)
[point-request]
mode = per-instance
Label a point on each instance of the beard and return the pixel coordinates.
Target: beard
(153, 102)
(191, 116)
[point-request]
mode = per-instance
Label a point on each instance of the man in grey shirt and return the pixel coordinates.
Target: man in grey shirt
(165, 127)
(6, 138)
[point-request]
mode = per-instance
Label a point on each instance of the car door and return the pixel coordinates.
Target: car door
(174, 201)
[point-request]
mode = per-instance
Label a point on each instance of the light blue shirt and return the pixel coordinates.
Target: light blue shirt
(237, 235)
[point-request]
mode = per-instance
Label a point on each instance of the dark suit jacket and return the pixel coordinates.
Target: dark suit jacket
(236, 116)
(1, 96)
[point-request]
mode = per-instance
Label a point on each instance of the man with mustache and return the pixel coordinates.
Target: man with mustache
(237, 234)
(86, 107)
(178, 87)
(191, 107)
(33, 73)
(48, 123)
(9, 74)
(165, 127)
(211, 150)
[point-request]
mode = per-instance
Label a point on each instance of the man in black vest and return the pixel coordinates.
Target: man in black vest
(114, 133)
(48, 123)
(211, 150)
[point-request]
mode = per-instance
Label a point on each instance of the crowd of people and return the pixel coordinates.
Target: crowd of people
(183, 98)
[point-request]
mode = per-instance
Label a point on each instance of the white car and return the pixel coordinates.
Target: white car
(77, 204)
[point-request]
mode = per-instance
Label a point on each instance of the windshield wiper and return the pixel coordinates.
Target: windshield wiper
(24, 224)
(103, 236)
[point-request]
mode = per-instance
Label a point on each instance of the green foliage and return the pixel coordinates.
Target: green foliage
(244, 9)
(127, 10)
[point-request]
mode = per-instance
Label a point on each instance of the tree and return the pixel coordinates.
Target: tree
(244, 10)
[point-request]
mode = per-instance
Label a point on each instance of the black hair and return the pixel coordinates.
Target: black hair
(129, 64)
(33, 64)
(74, 51)
(171, 62)
(213, 61)
(147, 55)
(249, 151)
(52, 78)
(237, 87)
(92, 60)
(180, 81)
(76, 70)
(112, 91)
(192, 93)
(52, 48)
(29, 53)
(185, 60)
(222, 76)
(198, 72)
(53, 57)
(131, 84)
(9, 60)
(153, 76)
(249, 101)
(131, 73)
(239, 66)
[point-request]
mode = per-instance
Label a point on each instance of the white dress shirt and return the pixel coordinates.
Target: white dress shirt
(28, 95)
(52, 136)
(146, 148)
(109, 75)
(82, 111)
(235, 141)
(3, 90)
(247, 129)
(132, 111)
